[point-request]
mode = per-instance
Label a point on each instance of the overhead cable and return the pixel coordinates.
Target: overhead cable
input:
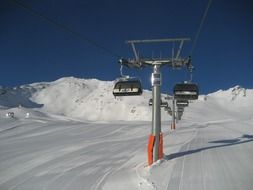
(200, 27)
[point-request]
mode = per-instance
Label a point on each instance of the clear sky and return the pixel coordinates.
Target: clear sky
(33, 50)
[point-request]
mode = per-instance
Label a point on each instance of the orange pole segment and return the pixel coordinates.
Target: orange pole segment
(151, 142)
(173, 126)
(161, 147)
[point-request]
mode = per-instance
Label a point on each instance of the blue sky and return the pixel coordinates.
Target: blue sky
(33, 50)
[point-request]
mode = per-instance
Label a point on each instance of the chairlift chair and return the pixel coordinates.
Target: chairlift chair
(182, 103)
(163, 104)
(179, 115)
(167, 108)
(127, 87)
(150, 102)
(180, 109)
(186, 91)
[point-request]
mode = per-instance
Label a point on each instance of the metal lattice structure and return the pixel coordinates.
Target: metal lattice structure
(175, 61)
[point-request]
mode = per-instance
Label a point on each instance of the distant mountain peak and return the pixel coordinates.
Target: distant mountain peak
(231, 93)
(238, 91)
(236, 87)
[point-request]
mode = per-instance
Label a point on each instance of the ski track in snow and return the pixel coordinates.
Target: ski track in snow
(60, 156)
(203, 165)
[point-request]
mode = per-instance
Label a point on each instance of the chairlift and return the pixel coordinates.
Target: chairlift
(167, 108)
(127, 87)
(150, 102)
(179, 114)
(182, 103)
(163, 104)
(180, 109)
(186, 91)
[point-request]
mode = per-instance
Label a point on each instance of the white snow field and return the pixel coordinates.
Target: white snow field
(78, 136)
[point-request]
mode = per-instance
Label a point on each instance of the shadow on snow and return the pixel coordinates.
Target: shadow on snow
(228, 142)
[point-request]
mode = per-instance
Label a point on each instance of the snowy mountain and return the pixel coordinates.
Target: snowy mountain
(79, 98)
(235, 102)
(92, 99)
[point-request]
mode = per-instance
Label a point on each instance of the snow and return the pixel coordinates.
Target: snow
(91, 100)
(78, 136)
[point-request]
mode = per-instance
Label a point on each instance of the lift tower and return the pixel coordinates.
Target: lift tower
(155, 146)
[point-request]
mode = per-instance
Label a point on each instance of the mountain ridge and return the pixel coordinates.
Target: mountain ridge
(92, 99)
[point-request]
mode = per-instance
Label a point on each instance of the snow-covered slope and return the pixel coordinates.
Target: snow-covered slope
(211, 147)
(92, 99)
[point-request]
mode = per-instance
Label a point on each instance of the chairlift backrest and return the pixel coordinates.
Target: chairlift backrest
(186, 91)
(127, 87)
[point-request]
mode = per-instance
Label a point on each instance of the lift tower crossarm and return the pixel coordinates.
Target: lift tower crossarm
(175, 63)
(158, 40)
(138, 62)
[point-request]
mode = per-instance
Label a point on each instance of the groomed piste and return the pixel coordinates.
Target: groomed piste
(78, 136)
